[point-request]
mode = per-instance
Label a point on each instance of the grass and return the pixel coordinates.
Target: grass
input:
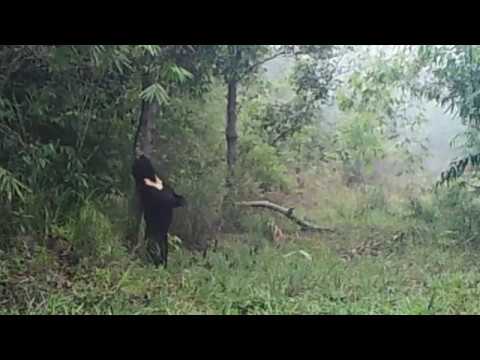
(425, 279)
(360, 269)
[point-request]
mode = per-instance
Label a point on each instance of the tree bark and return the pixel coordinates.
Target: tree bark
(143, 137)
(143, 145)
(288, 212)
(231, 132)
(231, 136)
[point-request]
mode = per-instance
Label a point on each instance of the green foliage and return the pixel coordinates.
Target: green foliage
(91, 233)
(263, 164)
(280, 121)
(69, 114)
(298, 278)
(360, 138)
(234, 62)
(382, 96)
(310, 147)
(194, 162)
(313, 76)
(453, 214)
(457, 169)
(455, 71)
(156, 93)
(10, 188)
(68, 117)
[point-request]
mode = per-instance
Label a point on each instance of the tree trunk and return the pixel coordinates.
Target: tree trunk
(143, 137)
(143, 145)
(231, 132)
(231, 139)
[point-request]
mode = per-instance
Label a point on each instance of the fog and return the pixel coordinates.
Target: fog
(439, 128)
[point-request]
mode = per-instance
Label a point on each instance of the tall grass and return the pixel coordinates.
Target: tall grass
(432, 269)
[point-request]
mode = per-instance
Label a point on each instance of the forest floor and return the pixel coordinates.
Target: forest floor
(301, 277)
(376, 262)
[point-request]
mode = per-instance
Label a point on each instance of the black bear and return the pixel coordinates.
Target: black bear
(158, 201)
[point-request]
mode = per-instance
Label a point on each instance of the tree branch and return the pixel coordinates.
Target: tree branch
(306, 226)
(254, 66)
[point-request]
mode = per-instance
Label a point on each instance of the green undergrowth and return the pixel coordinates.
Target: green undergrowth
(417, 255)
(301, 277)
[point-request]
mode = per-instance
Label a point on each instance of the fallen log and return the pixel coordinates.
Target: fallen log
(288, 212)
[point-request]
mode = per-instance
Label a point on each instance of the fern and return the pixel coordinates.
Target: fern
(153, 50)
(155, 92)
(180, 74)
(457, 169)
(11, 188)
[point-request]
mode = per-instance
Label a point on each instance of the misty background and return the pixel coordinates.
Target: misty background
(438, 129)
